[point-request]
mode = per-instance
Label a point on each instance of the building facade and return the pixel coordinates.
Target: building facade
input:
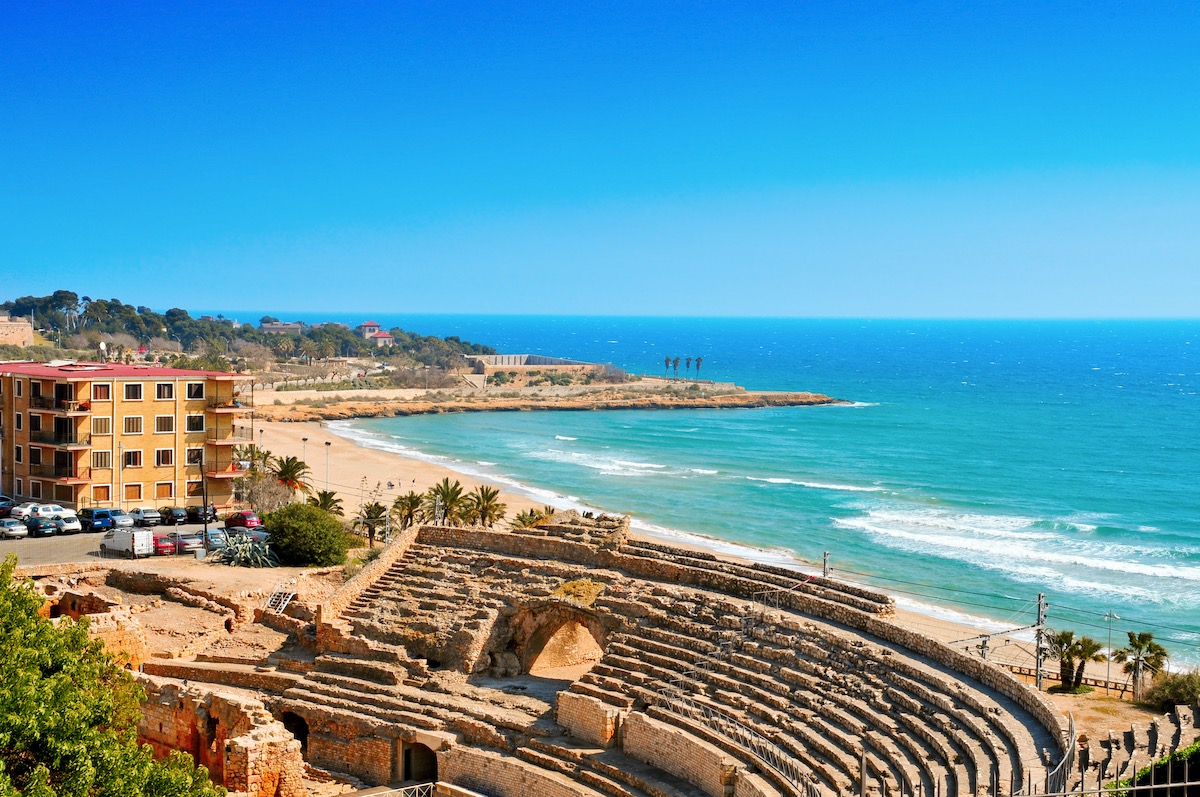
(105, 434)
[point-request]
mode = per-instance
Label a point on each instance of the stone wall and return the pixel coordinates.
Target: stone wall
(368, 758)
(235, 737)
(269, 681)
(678, 752)
(16, 331)
(503, 776)
(121, 634)
(156, 584)
(329, 611)
(588, 718)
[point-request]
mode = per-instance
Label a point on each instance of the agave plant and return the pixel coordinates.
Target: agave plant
(243, 551)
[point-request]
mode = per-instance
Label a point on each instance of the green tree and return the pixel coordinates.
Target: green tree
(688, 370)
(1062, 647)
(68, 712)
(371, 518)
(1143, 655)
(302, 534)
(675, 363)
(407, 509)
(482, 505)
(1086, 649)
(444, 502)
(327, 500)
(293, 473)
(666, 367)
(698, 361)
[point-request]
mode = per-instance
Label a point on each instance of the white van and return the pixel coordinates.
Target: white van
(130, 543)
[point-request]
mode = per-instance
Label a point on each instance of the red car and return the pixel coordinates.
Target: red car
(243, 520)
(163, 545)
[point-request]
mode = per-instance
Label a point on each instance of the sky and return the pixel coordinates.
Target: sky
(809, 159)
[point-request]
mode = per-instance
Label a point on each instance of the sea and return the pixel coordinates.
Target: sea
(978, 465)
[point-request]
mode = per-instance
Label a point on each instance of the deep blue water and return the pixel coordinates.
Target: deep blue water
(984, 461)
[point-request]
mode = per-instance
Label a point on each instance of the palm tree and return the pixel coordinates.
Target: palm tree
(483, 506)
(282, 345)
(1063, 647)
(308, 349)
(407, 509)
(372, 517)
(698, 361)
(688, 369)
(326, 348)
(292, 473)
(527, 518)
(666, 367)
(1143, 655)
(1086, 649)
(327, 500)
(675, 363)
(444, 501)
(259, 458)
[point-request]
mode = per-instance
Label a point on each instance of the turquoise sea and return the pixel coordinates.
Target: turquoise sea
(982, 462)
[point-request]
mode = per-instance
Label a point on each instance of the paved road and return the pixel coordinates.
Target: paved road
(84, 547)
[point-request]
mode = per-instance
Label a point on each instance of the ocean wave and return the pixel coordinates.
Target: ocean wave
(564, 437)
(848, 488)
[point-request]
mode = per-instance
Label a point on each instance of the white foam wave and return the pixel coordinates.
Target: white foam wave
(564, 437)
(849, 488)
(703, 471)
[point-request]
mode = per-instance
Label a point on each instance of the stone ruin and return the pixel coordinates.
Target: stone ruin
(571, 661)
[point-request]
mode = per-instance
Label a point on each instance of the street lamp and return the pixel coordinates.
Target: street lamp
(304, 449)
(327, 445)
(1109, 616)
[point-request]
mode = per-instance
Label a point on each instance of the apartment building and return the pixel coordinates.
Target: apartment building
(106, 434)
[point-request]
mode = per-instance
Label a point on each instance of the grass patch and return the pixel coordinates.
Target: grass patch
(582, 591)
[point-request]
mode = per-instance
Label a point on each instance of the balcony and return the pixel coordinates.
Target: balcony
(64, 439)
(228, 470)
(70, 407)
(61, 473)
(235, 437)
(227, 406)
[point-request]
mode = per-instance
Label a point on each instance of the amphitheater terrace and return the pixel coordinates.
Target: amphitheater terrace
(571, 661)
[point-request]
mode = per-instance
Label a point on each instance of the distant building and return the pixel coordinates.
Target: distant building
(382, 339)
(282, 327)
(105, 434)
(337, 324)
(367, 329)
(16, 331)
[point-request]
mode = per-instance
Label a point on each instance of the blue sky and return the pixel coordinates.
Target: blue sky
(790, 159)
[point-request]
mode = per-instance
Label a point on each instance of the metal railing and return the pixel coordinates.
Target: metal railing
(417, 790)
(61, 438)
(59, 472)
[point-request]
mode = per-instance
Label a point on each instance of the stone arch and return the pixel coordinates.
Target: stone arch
(418, 762)
(558, 636)
(298, 727)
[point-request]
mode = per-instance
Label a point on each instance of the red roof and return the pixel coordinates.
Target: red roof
(84, 370)
(379, 335)
(368, 324)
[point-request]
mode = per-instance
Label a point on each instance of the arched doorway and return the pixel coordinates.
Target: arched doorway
(418, 762)
(298, 727)
(564, 649)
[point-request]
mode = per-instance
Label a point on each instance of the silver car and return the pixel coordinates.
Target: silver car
(67, 524)
(13, 529)
(186, 541)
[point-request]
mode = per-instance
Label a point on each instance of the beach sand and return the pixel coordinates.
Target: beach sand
(357, 474)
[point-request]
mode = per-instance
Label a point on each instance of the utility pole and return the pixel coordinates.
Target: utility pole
(1109, 616)
(825, 565)
(1040, 652)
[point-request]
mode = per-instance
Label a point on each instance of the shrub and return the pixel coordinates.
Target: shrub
(305, 535)
(1172, 689)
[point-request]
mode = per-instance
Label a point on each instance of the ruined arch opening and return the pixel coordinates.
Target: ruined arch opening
(565, 650)
(298, 727)
(419, 763)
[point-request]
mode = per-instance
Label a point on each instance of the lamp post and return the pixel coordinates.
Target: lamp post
(327, 445)
(1109, 616)
(304, 449)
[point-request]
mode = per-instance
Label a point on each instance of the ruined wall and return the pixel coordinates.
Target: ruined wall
(329, 611)
(588, 718)
(16, 331)
(156, 584)
(503, 776)
(678, 752)
(121, 634)
(235, 737)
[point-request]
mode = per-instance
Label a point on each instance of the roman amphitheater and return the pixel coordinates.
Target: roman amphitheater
(571, 661)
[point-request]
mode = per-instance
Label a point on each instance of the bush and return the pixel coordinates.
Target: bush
(305, 535)
(1172, 689)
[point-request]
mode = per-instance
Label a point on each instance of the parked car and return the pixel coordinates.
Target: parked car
(23, 511)
(244, 520)
(104, 519)
(145, 516)
(6, 505)
(67, 524)
(41, 527)
(173, 515)
(51, 510)
(13, 529)
(186, 541)
(258, 534)
(216, 539)
(128, 542)
(163, 545)
(202, 514)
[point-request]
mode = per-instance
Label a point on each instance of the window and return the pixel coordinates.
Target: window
(195, 456)
(194, 423)
(133, 424)
(35, 455)
(102, 392)
(164, 457)
(35, 390)
(100, 493)
(195, 489)
(35, 422)
(195, 390)
(133, 391)
(101, 425)
(164, 424)
(20, 487)
(133, 492)
(164, 391)
(164, 490)
(19, 423)
(35, 490)
(133, 459)
(20, 387)
(17, 455)
(101, 459)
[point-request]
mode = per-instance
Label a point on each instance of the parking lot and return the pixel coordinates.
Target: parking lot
(84, 547)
